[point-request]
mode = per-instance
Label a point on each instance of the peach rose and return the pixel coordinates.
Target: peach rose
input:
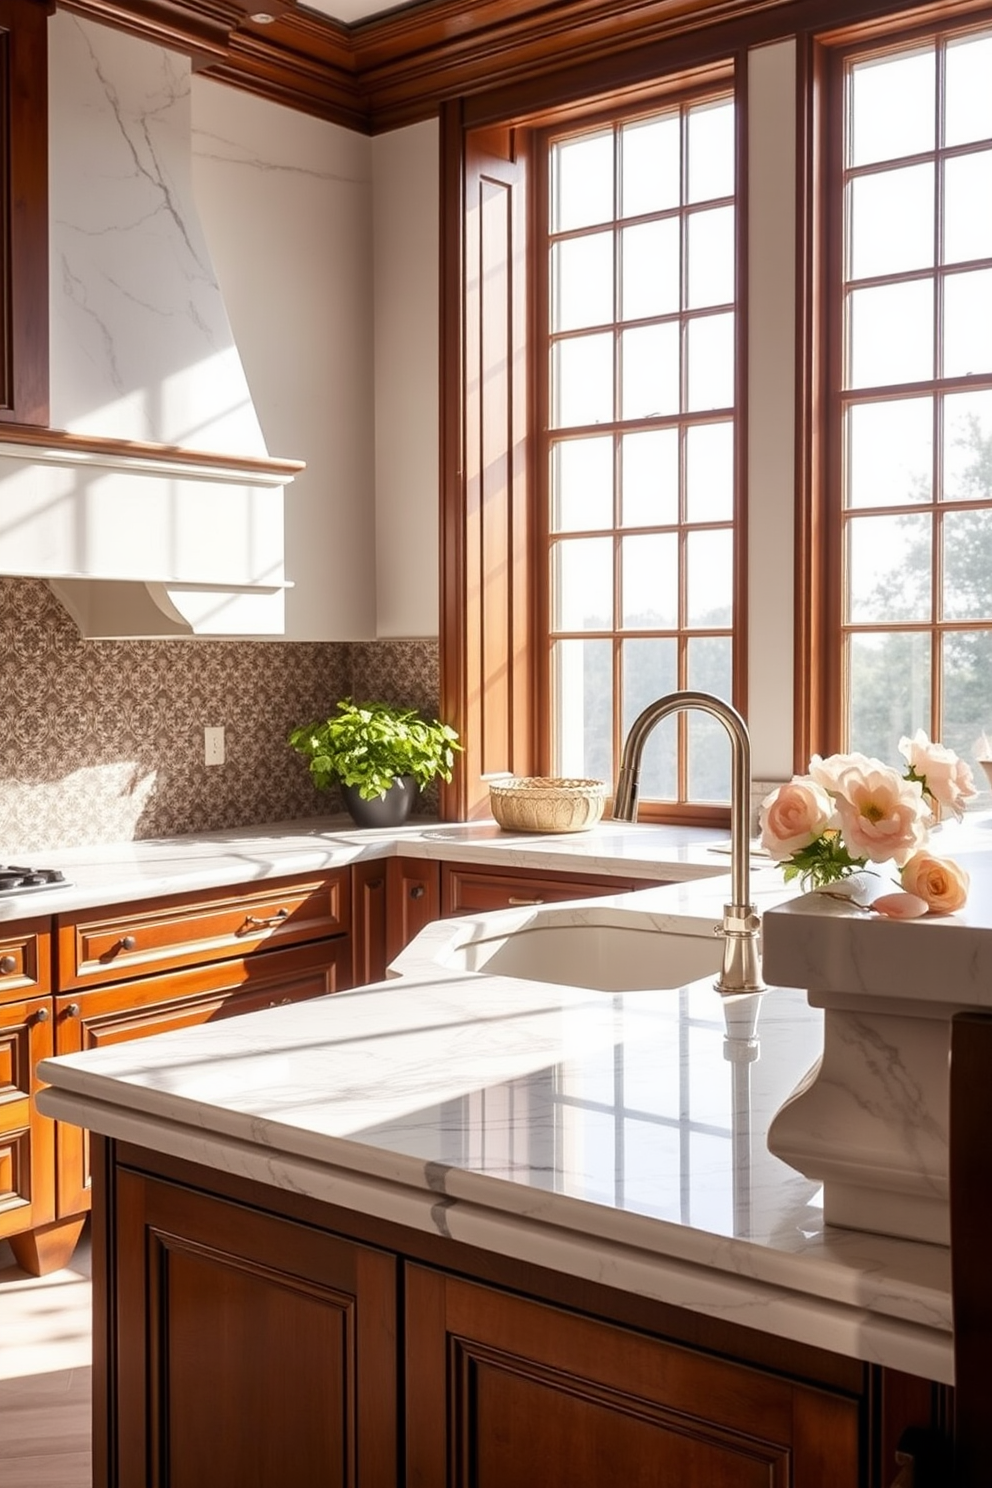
(946, 777)
(793, 816)
(882, 816)
(940, 881)
(829, 772)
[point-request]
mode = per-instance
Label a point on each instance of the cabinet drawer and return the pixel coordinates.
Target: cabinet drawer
(125, 941)
(25, 959)
(467, 890)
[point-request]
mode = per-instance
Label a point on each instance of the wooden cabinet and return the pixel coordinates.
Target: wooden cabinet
(202, 994)
(251, 1349)
(470, 889)
(125, 971)
(501, 1389)
(286, 1341)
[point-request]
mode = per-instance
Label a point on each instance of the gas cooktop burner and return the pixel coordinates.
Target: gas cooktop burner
(14, 880)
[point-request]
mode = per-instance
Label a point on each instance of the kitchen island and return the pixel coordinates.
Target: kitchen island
(470, 1228)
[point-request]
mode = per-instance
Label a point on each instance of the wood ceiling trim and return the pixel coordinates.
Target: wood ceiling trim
(401, 67)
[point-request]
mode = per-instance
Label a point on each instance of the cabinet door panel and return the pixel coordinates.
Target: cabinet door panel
(27, 1153)
(368, 922)
(502, 1390)
(239, 1330)
(114, 1015)
(413, 895)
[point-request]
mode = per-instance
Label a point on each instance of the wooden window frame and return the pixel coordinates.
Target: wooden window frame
(820, 578)
(513, 734)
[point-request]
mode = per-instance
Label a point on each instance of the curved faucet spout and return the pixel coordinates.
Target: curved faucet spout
(741, 971)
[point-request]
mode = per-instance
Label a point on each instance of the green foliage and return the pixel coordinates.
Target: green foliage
(369, 744)
(823, 861)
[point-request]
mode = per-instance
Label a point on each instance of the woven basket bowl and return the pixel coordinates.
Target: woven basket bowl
(539, 803)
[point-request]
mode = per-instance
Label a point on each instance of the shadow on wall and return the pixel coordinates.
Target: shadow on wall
(102, 741)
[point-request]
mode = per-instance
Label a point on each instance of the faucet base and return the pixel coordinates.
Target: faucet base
(741, 969)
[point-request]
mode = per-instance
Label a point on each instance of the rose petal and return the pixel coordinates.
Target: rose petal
(898, 906)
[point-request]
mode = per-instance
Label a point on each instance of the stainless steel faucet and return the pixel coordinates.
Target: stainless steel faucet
(741, 970)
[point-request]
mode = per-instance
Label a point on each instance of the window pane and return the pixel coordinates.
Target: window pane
(967, 323)
(967, 666)
(711, 151)
(583, 584)
(650, 269)
(650, 466)
(968, 98)
(968, 447)
(709, 670)
(711, 258)
(582, 673)
(892, 107)
(889, 689)
(582, 380)
(710, 577)
(650, 362)
(968, 207)
(651, 169)
(890, 453)
(889, 568)
(582, 484)
(968, 568)
(650, 670)
(891, 217)
(891, 334)
(582, 282)
(650, 578)
(709, 472)
(710, 354)
(582, 181)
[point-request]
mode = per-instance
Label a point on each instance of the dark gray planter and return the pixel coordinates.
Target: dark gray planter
(390, 810)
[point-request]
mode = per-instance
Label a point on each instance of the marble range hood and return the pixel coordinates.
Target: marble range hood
(156, 510)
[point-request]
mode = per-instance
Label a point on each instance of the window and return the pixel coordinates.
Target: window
(637, 228)
(911, 436)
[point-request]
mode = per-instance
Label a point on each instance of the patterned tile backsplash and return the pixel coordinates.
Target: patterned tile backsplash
(102, 741)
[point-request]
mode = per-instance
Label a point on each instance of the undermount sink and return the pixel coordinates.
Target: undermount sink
(604, 957)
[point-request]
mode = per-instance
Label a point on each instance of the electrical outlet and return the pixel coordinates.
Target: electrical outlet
(213, 746)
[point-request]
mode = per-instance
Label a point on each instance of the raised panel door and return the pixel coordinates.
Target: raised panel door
(502, 1390)
(252, 1349)
(27, 1154)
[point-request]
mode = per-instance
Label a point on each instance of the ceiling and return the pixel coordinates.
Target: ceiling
(350, 12)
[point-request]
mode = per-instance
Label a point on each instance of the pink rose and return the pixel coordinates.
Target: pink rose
(940, 881)
(793, 816)
(882, 816)
(829, 772)
(946, 777)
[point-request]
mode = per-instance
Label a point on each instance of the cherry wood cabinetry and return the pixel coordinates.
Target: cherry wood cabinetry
(387, 1356)
(102, 976)
(502, 1389)
(252, 1350)
(469, 889)
(413, 894)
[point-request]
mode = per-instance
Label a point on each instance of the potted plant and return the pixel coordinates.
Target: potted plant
(378, 755)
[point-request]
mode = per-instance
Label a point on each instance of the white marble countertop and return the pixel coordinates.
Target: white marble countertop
(122, 872)
(618, 1137)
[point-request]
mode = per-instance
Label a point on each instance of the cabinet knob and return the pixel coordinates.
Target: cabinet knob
(418, 891)
(7, 965)
(127, 942)
(42, 1015)
(374, 885)
(73, 1010)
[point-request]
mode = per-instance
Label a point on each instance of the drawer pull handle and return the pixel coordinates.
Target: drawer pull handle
(73, 1010)
(7, 965)
(254, 922)
(418, 891)
(512, 900)
(127, 942)
(42, 1015)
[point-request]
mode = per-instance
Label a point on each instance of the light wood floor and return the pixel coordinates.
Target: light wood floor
(45, 1374)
